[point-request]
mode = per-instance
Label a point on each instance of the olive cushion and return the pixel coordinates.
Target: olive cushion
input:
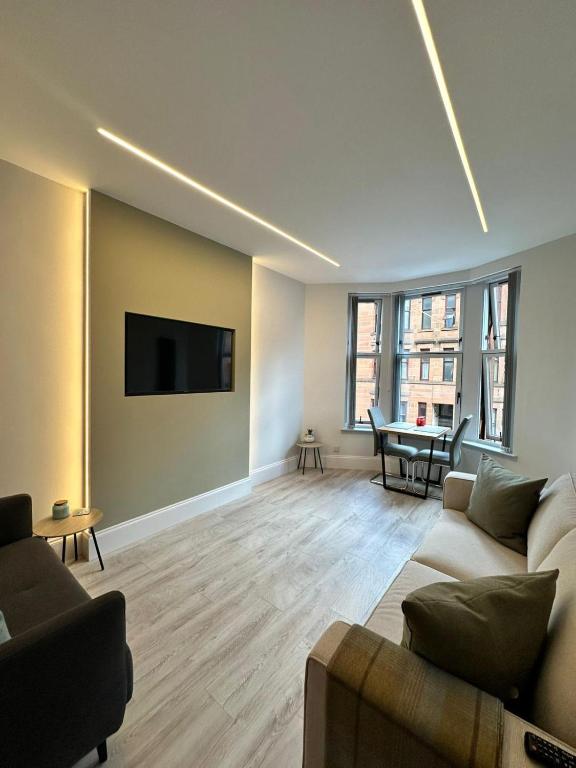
(487, 631)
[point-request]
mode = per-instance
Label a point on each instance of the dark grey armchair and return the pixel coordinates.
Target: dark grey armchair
(66, 672)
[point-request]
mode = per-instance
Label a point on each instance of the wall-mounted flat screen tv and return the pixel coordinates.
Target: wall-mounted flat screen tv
(169, 357)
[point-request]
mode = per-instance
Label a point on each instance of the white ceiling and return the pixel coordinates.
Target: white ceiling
(321, 116)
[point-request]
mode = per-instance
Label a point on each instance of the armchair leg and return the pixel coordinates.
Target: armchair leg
(102, 752)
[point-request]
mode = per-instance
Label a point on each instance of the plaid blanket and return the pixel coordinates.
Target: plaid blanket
(387, 707)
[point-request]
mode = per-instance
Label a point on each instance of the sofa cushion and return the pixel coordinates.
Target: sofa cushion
(387, 618)
(554, 518)
(487, 631)
(34, 585)
(460, 549)
(554, 697)
(503, 503)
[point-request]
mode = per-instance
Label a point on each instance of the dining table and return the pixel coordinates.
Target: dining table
(405, 429)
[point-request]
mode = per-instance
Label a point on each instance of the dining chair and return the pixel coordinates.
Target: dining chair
(382, 444)
(450, 458)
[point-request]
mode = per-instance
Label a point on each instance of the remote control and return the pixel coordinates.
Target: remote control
(546, 753)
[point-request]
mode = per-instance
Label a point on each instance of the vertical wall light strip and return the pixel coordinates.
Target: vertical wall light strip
(86, 469)
(446, 100)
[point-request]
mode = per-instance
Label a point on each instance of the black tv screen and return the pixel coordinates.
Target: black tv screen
(168, 357)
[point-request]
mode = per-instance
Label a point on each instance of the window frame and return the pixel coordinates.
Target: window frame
(490, 309)
(446, 359)
(457, 355)
(350, 418)
(450, 311)
(424, 361)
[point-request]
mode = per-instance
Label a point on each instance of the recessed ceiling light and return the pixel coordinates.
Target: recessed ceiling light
(210, 193)
(443, 88)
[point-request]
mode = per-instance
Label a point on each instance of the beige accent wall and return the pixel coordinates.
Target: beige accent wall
(41, 338)
(277, 383)
(152, 451)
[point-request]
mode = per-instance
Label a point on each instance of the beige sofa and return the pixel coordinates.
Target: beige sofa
(457, 549)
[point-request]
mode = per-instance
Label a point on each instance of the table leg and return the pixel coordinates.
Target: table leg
(320, 460)
(304, 462)
(429, 468)
(75, 548)
(93, 532)
(299, 459)
(315, 460)
(63, 549)
(383, 462)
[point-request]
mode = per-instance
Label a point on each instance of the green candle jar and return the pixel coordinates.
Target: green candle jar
(60, 509)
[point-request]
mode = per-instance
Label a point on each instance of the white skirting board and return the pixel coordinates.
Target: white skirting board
(274, 470)
(131, 531)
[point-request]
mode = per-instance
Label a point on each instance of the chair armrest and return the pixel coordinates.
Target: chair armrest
(63, 685)
(412, 714)
(15, 518)
(457, 489)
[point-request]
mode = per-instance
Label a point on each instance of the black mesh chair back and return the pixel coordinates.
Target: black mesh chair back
(377, 420)
(456, 444)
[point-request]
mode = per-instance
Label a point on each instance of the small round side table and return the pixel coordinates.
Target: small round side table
(49, 528)
(315, 450)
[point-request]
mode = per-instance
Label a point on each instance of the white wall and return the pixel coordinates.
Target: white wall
(277, 376)
(41, 339)
(545, 414)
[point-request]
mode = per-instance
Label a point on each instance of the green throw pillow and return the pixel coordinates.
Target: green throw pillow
(503, 503)
(4, 634)
(487, 631)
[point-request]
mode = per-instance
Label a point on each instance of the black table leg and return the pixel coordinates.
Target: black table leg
(63, 549)
(92, 531)
(75, 548)
(429, 468)
(315, 460)
(320, 460)
(304, 462)
(299, 459)
(383, 462)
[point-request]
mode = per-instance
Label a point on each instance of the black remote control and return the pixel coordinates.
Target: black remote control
(546, 753)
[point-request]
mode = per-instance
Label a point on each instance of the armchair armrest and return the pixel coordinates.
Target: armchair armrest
(375, 702)
(64, 685)
(15, 518)
(457, 489)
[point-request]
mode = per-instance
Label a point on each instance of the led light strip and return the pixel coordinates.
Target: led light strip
(443, 88)
(209, 192)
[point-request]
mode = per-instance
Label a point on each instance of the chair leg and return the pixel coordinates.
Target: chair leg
(102, 752)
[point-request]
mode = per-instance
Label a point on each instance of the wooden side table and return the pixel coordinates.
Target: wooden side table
(315, 450)
(49, 528)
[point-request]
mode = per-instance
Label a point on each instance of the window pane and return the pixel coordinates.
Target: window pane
(496, 314)
(448, 369)
(494, 376)
(429, 329)
(426, 312)
(367, 327)
(422, 409)
(366, 373)
(424, 368)
(403, 410)
(406, 315)
(436, 393)
(404, 369)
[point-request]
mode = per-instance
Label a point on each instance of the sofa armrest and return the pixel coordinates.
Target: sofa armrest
(457, 489)
(411, 712)
(64, 685)
(15, 518)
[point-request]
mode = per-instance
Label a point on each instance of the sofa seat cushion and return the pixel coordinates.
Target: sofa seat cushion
(34, 585)
(387, 618)
(554, 696)
(460, 549)
(554, 518)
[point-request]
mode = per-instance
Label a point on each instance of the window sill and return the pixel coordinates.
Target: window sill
(479, 445)
(358, 429)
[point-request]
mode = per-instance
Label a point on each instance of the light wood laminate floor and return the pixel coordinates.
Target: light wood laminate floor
(222, 611)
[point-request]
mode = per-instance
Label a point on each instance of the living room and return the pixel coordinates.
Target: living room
(287, 326)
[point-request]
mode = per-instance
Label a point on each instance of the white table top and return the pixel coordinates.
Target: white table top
(411, 430)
